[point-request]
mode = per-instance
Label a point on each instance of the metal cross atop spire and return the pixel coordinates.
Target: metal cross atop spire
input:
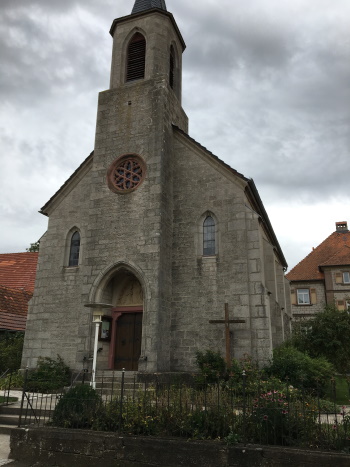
(143, 5)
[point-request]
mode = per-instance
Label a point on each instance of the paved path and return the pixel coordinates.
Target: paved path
(5, 451)
(5, 440)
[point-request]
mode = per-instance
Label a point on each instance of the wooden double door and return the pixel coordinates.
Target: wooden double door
(127, 349)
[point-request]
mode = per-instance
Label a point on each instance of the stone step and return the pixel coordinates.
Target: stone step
(118, 386)
(8, 420)
(6, 429)
(10, 409)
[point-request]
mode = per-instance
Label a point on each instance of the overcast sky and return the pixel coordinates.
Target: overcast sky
(266, 86)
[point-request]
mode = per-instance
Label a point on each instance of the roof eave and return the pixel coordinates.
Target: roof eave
(267, 222)
(144, 13)
(68, 184)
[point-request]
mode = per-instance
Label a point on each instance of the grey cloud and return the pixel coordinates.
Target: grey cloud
(33, 72)
(54, 6)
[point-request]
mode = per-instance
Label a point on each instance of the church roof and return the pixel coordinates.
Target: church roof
(142, 5)
(334, 251)
(84, 164)
(18, 270)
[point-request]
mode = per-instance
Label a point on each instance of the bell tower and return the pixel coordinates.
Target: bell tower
(147, 45)
(131, 204)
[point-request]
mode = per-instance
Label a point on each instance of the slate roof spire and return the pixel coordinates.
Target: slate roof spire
(143, 5)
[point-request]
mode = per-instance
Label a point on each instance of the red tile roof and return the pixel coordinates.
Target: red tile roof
(333, 251)
(13, 308)
(11, 322)
(340, 258)
(18, 270)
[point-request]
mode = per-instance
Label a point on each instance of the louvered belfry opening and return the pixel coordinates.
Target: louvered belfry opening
(172, 67)
(136, 58)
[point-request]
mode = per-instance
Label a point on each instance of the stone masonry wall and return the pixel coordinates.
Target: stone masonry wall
(57, 322)
(133, 231)
(202, 285)
(45, 447)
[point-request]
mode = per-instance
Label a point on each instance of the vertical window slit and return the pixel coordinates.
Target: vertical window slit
(172, 67)
(136, 58)
(74, 250)
(209, 237)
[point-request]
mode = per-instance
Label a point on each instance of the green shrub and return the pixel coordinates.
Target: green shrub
(212, 367)
(78, 408)
(326, 335)
(300, 370)
(279, 418)
(49, 375)
(173, 416)
(11, 345)
(12, 381)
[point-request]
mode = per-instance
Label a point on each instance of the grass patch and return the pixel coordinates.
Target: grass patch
(10, 399)
(342, 391)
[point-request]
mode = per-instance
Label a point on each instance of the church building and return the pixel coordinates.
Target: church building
(157, 229)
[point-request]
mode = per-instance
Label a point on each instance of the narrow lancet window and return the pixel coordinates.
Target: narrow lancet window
(209, 236)
(136, 58)
(172, 67)
(74, 249)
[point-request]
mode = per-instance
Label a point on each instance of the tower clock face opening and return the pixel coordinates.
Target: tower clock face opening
(126, 173)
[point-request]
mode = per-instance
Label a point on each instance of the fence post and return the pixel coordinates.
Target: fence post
(244, 406)
(121, 400)
(8, 389)
(23, 394)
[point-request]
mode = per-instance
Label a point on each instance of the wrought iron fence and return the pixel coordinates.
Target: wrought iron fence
(6, 382)
(239, 410)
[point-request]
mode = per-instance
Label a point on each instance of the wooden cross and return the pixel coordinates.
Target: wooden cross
(227, 322)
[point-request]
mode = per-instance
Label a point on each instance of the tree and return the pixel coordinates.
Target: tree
(34, 247)
(326, 335)
(11, 345)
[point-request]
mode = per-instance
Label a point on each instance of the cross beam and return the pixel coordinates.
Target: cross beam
(227, 322)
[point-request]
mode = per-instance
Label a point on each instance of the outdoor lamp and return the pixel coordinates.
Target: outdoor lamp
(97, 316)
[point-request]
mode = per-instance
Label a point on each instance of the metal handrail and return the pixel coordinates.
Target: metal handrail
(82, 371)
(4, 373)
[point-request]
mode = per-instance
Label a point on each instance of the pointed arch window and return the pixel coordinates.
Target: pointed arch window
(209, 236)
(74, 250)
(136, 58)
(172, 67)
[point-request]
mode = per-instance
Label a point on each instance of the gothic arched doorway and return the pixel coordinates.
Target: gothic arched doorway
(125, 292)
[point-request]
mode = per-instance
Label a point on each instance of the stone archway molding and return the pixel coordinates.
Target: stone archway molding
(107, 274)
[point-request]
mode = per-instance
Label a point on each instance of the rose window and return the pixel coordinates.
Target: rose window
(126, 174)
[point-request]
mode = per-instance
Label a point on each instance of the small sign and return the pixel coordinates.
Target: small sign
(105, 329)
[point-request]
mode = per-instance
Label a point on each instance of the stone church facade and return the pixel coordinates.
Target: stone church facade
(155, 226)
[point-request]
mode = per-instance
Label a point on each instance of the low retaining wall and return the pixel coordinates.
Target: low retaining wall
(44, 447)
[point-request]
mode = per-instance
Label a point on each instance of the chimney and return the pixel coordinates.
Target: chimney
(341, 226)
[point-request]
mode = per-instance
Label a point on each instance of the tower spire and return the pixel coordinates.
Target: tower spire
(142, 5)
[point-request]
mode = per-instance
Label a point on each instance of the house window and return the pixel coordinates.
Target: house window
(346, 277)
(303, 296)
(209, 237)
(74, 250)
(136, 58)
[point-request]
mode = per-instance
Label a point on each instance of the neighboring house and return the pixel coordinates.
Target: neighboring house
(13, 309)
(323, 277)
(155, 226)
(17, 278)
